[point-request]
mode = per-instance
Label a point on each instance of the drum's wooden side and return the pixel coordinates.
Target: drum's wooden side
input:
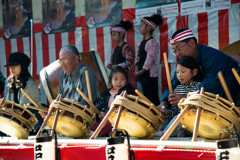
(233, 50)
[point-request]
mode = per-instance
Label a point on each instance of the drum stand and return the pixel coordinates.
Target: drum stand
(99, 128)
(59, 98)
(177, 120)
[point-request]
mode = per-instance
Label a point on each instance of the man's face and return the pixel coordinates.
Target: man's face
(182, 49)
(67, 61)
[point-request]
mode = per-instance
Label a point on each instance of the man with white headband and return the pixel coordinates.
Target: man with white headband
(211, 62)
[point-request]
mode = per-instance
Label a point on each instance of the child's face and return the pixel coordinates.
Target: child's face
(118, 81)
(115, 36)
(185, 75)
(143, 28)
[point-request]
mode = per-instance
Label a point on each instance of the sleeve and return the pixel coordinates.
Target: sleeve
(129, 56)
(32, 90)
(101, 103)
(2, 83)
(172, 112)
(152, 49)
(111, 57)
(135, 59)
(60, 86)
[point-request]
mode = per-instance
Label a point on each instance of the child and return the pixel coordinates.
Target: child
(122, 55)
(118, 79)
(190, 77)
(146, 59)
(20, 78)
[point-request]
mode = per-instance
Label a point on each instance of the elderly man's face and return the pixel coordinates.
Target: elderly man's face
(182, 49)
(68, 61)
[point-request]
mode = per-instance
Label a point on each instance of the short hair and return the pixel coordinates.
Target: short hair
(116, 70)
(71, 49)
(185, 40)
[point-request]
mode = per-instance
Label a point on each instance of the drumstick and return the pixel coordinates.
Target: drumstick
(88, 86)
(39, 109)
(168, 73)
(25, 93)
(88, 101)
(221, 78)
(142, 96)
(236, 75)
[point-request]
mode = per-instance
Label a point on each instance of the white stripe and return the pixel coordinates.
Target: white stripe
(213, 29)
(3, 60)
(52, 48)
(234, 23)
(64, 36)
(92, 39)
(14, 45)
(107, 45)
(26, 45)
(172, 27)
(193, 24)
(78, 39)
(39, 52)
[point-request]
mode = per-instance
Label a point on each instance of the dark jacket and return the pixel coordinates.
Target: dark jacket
(102, 102)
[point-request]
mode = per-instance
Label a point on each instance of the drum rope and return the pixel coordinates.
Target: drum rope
(213, 105)
(75, 110)
(139, 109)
(29, 124)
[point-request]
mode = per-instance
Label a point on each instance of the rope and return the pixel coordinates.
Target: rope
(76, 109)
(140, 109)
(212, 104)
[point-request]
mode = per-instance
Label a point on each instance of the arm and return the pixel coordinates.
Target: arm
(111, 58)
(129, 56)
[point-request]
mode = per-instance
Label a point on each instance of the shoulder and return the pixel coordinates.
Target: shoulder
(152, 42)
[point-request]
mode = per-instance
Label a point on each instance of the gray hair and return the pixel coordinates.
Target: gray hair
(72, 50)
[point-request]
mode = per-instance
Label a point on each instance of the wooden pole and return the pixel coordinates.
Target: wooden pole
(168, 73)
(236, 75)
(142, 96)
(224, 85)
(88, 86)
(25, 93)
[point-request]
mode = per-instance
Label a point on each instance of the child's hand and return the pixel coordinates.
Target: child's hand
(113, 66)
(174, 98)
(109, 66)
(139, 73)
(101, 115)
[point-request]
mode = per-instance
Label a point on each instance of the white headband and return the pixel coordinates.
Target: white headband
(181, 36)
(118, 29)
(150, 23)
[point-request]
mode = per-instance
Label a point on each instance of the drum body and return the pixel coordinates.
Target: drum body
(16, 120)
(139, 118)
(74, 120)
(50, 75)
(217, 115)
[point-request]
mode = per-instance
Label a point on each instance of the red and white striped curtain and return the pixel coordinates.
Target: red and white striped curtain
(216, 29)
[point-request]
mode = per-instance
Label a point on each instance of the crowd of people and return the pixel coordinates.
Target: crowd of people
(198, 67)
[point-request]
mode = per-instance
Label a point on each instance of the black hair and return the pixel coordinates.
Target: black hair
(116, 70)
(156, 19)
(125, 24)
(185, 40)
(191, 63)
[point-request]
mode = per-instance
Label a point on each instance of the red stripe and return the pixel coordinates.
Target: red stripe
(8, 51)
(58, 44)
(223, 28)
(163, 48)
(203, 28)
(85, 40)
(71, 38)
(20, 46)
(235, 1)
(45, 50)
(100, 43)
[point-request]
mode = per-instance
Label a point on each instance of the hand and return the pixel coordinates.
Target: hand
(174, 98)
(101, 115)
(109, 66)
(139, 73)
(162, 108)
(43, 114)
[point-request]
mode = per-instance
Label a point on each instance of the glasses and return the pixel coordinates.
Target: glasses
(179, 50)
(64, 60)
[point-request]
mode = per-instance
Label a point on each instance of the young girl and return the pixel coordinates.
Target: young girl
(20, 78)
(118, 79)
(146, 59)
(190, 77)
(122, 55)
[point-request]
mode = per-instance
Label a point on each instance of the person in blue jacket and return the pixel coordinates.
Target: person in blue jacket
(211, 61)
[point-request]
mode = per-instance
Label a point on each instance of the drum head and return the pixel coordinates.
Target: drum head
(135, 125)
(12, 128)
(68, 127)
(210, 126)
